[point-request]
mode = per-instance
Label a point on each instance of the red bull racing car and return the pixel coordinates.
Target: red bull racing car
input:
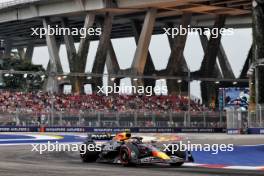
(129, 151)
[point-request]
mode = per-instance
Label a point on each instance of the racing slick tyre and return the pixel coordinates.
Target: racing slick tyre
(125, 157)
(86, 155)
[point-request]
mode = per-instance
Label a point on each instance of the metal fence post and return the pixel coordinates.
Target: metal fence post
(60, 118)
(204, 120)
(239, 119)
(99, 119)
(49, 114)
(171, 121)
(117, 119)
(154, 123)
(135, 119)
(16, 117)
(233, 118)
(221, 118)
(80, 116)
(260, 116)
(249, 119)
(185, 122)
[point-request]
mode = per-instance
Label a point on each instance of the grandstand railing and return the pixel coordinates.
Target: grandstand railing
(114, 119)
(237, 119)
(256, 118)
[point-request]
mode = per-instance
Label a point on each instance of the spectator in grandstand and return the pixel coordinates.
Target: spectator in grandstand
(40, 102)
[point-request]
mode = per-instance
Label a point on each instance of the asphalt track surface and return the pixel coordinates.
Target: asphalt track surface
(19, 160)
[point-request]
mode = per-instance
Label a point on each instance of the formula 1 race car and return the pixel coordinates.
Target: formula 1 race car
(129, 151)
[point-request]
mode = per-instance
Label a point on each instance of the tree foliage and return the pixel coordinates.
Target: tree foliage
(22, 82)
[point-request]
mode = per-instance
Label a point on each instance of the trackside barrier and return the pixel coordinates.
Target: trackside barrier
(234, 131)
(79, 118)
(256, 118)
(237, 121)
(256, 131)
(19, 129)
(112, 130)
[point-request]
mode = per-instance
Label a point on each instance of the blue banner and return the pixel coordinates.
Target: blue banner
(111, 130)
(256, 131)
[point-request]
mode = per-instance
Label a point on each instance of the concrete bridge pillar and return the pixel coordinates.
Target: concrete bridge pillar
(149, 66)
(77, 59)
(208, 69)
(48, 82)
(142, 51)
(243, 74)
(112, 66)
(101, 54)
(177, 65)
(55, 63)
(258, 48)
(210, 86)
(225, 69)
(217, 70)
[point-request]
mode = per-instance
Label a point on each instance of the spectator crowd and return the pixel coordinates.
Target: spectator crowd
(44, 102)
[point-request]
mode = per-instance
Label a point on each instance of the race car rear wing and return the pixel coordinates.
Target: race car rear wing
(100, 136)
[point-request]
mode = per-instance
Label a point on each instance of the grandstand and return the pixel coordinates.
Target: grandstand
(39, 104)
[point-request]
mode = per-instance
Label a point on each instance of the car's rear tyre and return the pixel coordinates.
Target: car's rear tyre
(125, 157)
(86, 155)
